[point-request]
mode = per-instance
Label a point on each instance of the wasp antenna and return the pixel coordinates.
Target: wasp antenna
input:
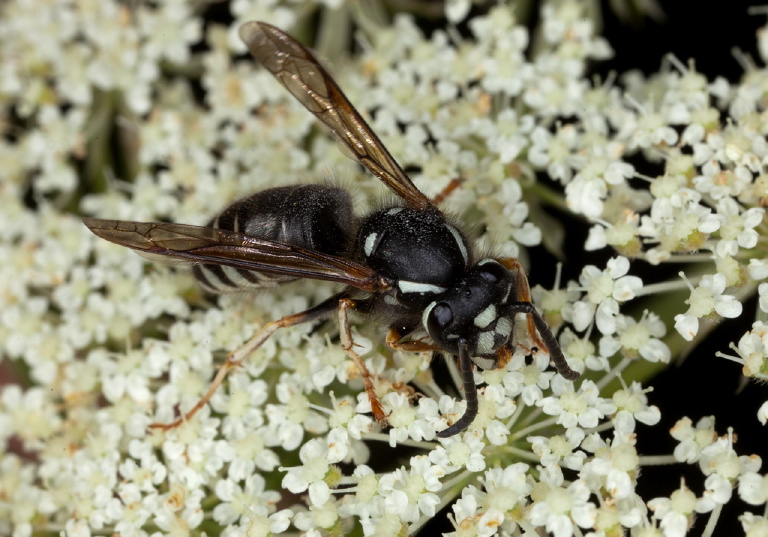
(555, 352)
(470, 394)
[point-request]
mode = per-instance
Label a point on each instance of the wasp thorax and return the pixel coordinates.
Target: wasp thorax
(419, 249)
(472, 310)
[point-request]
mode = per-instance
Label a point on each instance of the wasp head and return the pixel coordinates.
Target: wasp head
(474, 312)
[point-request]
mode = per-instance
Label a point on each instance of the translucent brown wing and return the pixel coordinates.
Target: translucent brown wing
(180, 243)
(300, 72)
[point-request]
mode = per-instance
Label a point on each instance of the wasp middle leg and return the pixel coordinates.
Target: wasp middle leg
(324, 310)
(347, 343)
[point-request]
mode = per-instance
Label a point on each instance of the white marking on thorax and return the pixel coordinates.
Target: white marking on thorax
(418, 287)
(459, 242)
(370, 241)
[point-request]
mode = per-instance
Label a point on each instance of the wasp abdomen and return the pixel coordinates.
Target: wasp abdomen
(315, 217)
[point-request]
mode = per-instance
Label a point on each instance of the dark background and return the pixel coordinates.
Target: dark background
(704, 384)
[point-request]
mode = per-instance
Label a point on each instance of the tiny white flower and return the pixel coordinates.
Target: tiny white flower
(317, 455)
(722, 466)
(465, 454)
(762, 413)
(707, 298)
(605, 289)
(637, 337)
(559, 450)
(692, 439)
(633, 405)
(561, 507)
(737, 228)
(753, 488)
(675, 514)
(582, 408)
(754, 525)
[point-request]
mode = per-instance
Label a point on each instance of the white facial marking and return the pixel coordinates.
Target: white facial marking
(417, 287)
(394, 210)
(459, 243)
(485, 317)
(425, 315)
(506, 295)
(504, 327)
(370, 240)
(485, 343)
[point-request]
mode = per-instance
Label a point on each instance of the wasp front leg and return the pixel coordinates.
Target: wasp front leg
(395, 341)
(348, 344)
(235, 358)
(523, 295)
(536, 322)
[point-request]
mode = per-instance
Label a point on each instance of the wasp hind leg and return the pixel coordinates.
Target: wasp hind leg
(445, 192)
(235, 358)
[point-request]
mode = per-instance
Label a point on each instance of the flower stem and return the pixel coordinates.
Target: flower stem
(657, 460)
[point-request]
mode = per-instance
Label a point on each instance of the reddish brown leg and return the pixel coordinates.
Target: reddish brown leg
(236, 357)
(450, 187)
(347, 343)
(394, 338)
(536, 321)
(503, 356)
(523, 295)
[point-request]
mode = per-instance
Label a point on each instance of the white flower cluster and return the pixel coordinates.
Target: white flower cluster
(133, 112)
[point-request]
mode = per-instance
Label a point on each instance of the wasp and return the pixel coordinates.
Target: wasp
(407, 266)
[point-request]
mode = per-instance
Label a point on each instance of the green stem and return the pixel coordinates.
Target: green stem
(657, 460)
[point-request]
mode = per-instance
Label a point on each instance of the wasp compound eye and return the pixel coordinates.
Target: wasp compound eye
(439, 321)
(440, 317)
(493, 272)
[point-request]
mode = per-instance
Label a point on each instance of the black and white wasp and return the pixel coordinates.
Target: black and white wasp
(406, 266)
